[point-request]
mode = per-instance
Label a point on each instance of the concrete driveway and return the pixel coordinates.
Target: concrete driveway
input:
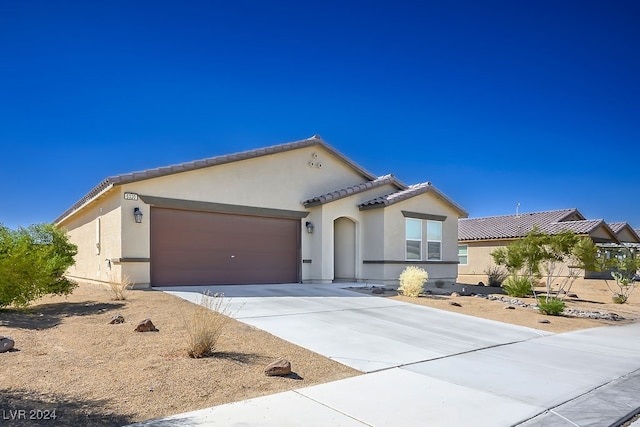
(428, 367)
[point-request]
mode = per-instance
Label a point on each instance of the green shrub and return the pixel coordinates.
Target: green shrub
(412, 281)
(517, 287)
(551, 306)
(33, 261)
(619, 298)
(496, 275)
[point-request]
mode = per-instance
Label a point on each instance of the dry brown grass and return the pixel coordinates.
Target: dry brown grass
(412, 280)
(206, 323)
(119, 289)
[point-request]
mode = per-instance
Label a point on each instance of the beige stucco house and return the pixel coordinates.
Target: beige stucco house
(478, 237)
(299, 212)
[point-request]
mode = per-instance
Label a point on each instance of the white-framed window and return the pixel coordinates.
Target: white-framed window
(463, 254)
(413, 238)
(434, 240)
(418, 231)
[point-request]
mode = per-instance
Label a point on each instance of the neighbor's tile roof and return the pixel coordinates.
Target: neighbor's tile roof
(211, 161)
(409, 192)
(512, 226)
(354, 189)
(585, 226)
(617, 227)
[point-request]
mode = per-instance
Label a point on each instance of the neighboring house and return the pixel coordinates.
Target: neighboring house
(478, 237)
(625, 233)
(290, 213)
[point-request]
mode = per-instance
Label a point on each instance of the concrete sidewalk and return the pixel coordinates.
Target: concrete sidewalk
(429, 367)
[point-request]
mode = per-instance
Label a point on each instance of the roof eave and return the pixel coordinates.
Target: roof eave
(82, 203)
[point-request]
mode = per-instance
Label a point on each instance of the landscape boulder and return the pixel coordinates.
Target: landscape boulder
(6, 343)
(377, 291)
(118, 318)
(455, 304)
(146, 326)
(278, 368)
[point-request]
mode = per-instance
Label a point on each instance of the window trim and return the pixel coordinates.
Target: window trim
(406, 239)
(466, 255)
(424, 241)
(430, 221)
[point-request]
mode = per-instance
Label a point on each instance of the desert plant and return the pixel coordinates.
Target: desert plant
(412, 280)
(551, 306)
(496, 275)
(119, 289)
(206, 323)
(560, 257)
(517, 286)
(33, 261)
(619, 298)
(624, 267)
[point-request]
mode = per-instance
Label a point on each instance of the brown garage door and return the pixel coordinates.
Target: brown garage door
(204, 248)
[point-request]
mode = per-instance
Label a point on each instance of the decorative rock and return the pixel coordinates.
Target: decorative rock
(377, 291)
(509, 307)
(455, 304)
(572, 295)
(481, 284)
(117, 319)
(543, 321)
(278, 368)
(6, 344)
(455, 294)
(146, 326)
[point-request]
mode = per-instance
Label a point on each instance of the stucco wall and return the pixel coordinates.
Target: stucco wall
(84, 231)
(625, 235)
(479, 257)
(395, 247)
(279, 181)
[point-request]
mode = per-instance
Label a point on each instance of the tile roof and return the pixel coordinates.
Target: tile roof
(585, 226)
(512, 226)
(111, 181)
(409, 192)
(617, 227)
(354, 189)
(372, 181)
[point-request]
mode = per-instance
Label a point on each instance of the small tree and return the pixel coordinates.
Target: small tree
(560, 256)
(33, 261)
(623, 266)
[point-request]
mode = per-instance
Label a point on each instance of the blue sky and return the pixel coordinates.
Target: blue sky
(495, 102)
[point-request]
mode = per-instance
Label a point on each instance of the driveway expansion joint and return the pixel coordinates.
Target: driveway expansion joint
(331, 408)
(337, 310)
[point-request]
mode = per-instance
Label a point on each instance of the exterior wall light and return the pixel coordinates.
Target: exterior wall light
(137, 214)
(309, 226)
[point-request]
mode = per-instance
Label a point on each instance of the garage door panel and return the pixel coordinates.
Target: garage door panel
(190, 247)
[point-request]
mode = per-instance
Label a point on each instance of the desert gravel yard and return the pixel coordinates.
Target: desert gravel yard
(68, 358)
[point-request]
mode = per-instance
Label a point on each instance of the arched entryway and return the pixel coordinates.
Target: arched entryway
(344, 249)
